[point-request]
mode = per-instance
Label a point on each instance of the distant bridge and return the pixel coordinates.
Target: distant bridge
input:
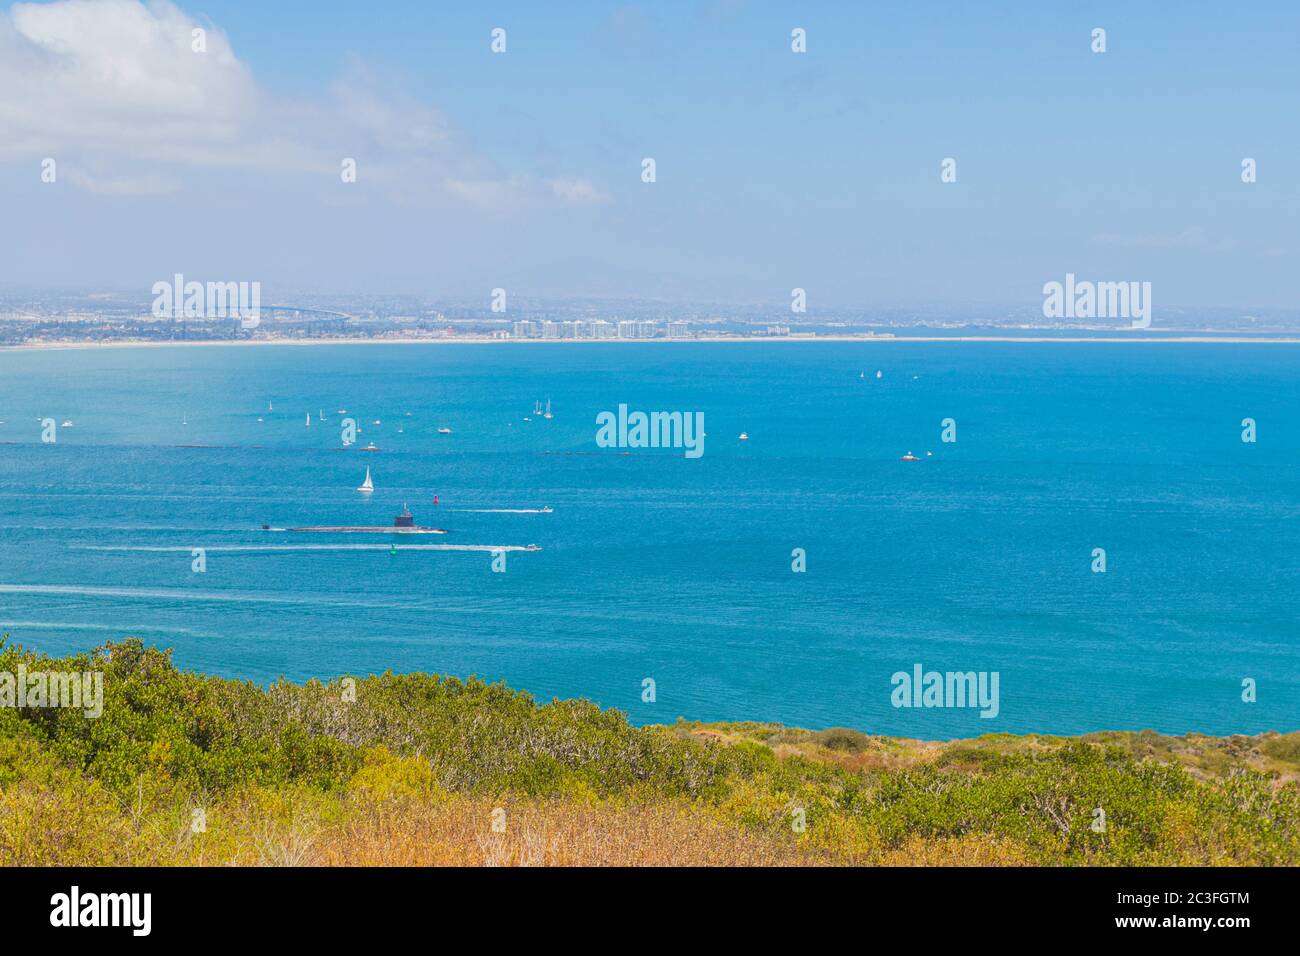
(302, 308)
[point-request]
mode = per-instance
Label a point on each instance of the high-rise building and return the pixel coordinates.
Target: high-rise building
(550, 330)
(678, 330)
(627, 329)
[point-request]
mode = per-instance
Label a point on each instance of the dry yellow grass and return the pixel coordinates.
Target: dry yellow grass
(546, 833)
(48, 826)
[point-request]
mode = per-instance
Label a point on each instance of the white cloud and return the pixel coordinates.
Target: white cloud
(1191, 237)
(116, 75)
(148, 185)
(577, 191)
(115, 84)
(497, 194)
(518, 192)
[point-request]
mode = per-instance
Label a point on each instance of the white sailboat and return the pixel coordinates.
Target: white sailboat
(879, 374)
(309, 419)
(537, 408)
(270, 407)
(547, 413)
(368, 485)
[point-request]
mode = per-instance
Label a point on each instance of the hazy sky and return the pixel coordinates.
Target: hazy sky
(775, 169)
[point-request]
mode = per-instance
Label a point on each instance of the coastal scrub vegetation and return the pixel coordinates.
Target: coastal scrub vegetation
(186, 769)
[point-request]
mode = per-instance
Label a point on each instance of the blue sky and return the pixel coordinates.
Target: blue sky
(775, 169)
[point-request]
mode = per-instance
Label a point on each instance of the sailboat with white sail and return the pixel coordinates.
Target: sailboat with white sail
(367, 486)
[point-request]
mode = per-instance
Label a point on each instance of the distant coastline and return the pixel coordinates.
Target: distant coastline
(486, 340)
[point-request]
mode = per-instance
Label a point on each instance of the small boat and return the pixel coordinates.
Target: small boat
(309, 419)
(545, 510)
(909, 457)
(368, 485)
(320, 414)
(862, 375)
(376, 422)
(185, 419)
(444, 430)
(371, 447)
(270, 407)
(259, 419)
(401, 430)
(537, 408)
(879, 374)
(547, 413)
(67, 423)
(343, 411)
(744, 436)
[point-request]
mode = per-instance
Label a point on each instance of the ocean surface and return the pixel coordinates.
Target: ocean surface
(654, 565)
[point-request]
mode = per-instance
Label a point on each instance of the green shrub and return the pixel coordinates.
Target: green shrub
(842, 738)
(120, 788)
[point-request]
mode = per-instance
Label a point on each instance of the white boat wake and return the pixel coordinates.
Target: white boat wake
(113, 628)
(234, 548)
(178, 594)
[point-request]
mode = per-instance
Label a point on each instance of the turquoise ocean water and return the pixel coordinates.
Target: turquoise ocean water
(656, 565)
